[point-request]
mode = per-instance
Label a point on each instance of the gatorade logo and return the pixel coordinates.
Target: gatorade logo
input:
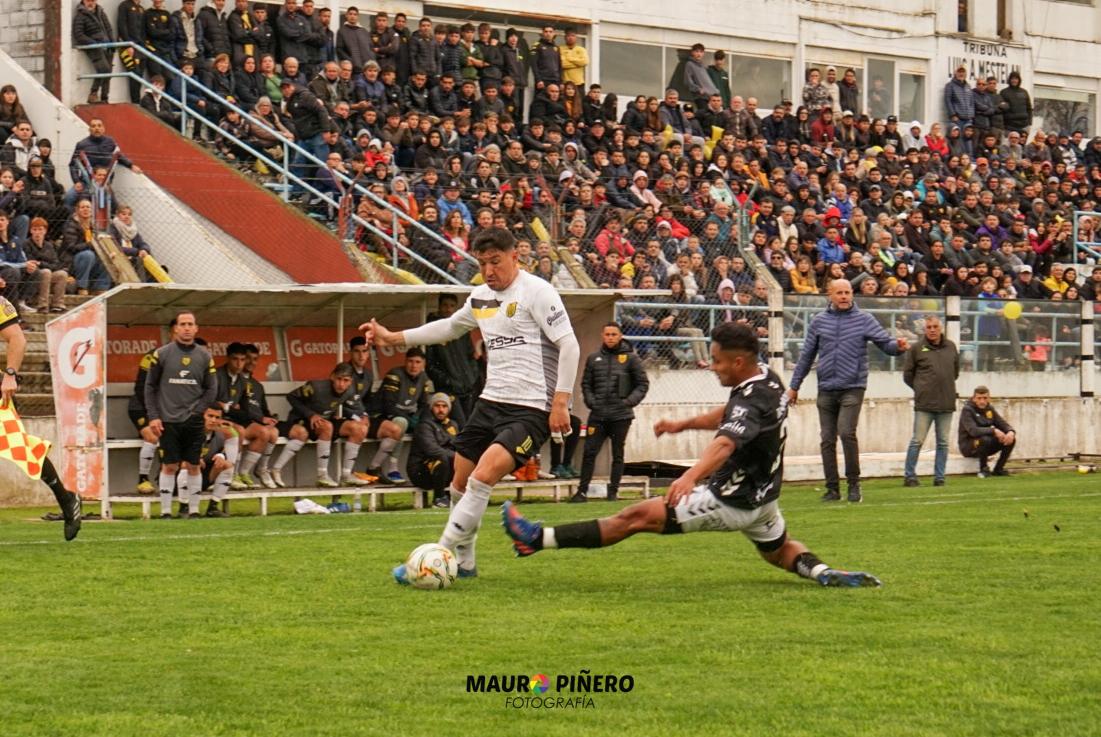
(78, 357)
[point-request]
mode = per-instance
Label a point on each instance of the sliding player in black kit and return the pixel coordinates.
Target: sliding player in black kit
(743, 468)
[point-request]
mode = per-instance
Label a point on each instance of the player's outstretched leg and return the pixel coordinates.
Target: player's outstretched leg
(71, 507)
(530, 537)
(792, 555)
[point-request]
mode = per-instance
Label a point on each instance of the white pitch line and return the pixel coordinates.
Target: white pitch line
(213, 535)
(84, 540)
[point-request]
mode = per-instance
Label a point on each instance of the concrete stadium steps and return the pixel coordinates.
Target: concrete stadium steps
(279, 233)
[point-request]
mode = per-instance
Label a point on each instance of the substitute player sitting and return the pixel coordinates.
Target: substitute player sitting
(215, 468)
(314, 409)
(234, 387)
(733, 487)
(403, 399)
(532, 357)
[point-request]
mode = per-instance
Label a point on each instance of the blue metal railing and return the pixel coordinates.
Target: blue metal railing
(284, 168)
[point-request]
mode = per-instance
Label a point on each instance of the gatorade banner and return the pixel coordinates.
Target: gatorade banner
(126, 346)
(313, 352)
(78, 367)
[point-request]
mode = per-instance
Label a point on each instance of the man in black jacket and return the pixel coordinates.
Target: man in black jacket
(432, 453)
(131, 27)
(455, 366)
(91, 26)
(311, 119)
(613, 383)
(215, 23)
(984, 432)
(931, 368)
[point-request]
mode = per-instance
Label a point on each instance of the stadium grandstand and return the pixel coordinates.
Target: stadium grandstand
(708, 178)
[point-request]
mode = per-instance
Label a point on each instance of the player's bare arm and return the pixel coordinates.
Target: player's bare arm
(713, 457)
(707, 421)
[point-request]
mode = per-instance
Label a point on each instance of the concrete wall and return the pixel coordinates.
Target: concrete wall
(23, 34)
(1050, 426)
(1056, 39)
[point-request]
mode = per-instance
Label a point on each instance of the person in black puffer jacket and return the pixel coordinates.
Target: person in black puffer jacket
(614, 382)
(91, 26)
(1018, 117)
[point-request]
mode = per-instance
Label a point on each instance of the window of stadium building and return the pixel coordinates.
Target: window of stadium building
(883, 89)
(630, 69)
(911, 96)
(1059, 109)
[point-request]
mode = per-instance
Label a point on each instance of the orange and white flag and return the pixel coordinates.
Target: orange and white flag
(26, 451)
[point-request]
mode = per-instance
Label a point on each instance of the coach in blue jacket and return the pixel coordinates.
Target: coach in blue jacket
(838, 338)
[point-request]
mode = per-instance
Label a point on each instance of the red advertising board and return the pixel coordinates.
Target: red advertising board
(78, 369)
(126, 346)
(313, 352)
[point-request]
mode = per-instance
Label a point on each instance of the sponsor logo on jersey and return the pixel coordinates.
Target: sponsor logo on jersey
(184, 372)
(484, 308)
(510, 311)
(554, 316)
(504, 341)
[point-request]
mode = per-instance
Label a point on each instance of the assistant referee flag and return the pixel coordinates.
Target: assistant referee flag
(26, 451)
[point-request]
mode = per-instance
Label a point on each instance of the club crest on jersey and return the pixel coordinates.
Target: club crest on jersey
(412, 390)
(510, 311)
(186, 360)
(484, 308)
(622, 358)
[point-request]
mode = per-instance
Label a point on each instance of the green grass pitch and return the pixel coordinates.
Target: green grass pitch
(987, 624)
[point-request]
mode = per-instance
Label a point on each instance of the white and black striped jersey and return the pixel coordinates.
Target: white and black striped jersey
(755, 419)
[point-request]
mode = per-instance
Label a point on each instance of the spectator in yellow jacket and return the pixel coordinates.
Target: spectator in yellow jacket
(574, 60)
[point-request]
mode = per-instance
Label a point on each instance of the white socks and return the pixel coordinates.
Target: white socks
(351, 451)
(221, 484)
(195, 487)
(324, 449)
(385, 448)
(265, 459)
(549, 541)
(292, 447)
(166, 482)
(248, 461)
(145, 457)
(232, 448)
(465, 518)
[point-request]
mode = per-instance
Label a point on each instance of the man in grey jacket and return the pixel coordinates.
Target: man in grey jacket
(931, 369)
(180, 385)
(696, 78)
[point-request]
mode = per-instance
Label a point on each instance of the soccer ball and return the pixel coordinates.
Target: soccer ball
(431, 566)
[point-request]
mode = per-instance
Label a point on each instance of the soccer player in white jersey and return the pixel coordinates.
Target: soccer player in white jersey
(532, 358)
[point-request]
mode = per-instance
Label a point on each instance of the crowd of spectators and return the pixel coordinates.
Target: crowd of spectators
(467, 127)
(46, 231)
